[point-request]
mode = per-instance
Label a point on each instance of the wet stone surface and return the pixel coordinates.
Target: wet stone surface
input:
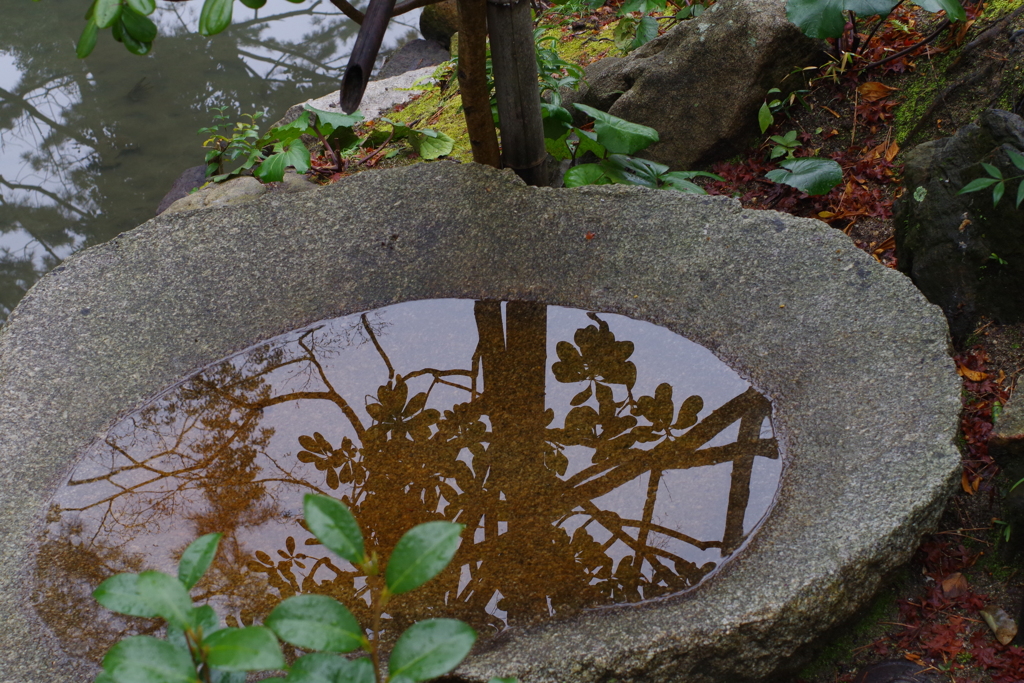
(864, 396)
(594, 459)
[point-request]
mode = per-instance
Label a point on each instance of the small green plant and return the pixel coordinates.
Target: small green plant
(997, 181)
(199, 650)
(784, 145)
(268, 156)
(223, 147)
(778, 105)
(612, 141)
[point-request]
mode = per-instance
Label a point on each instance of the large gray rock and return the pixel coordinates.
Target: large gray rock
(965, 254)
(700, 85)
(866, 404)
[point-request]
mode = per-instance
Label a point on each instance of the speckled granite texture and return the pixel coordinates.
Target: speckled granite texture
(866, 397)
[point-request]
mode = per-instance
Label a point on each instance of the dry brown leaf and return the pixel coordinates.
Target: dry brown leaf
(1001, 623)
(875, 152)
(973, 375)
(954, 585)
(965, 484)
(872, 91)
(965, 26)
(891, 153)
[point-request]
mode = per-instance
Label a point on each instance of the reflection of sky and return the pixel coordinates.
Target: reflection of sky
(442, 335)
(142, 145)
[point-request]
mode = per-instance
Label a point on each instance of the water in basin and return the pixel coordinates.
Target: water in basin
(595, 460)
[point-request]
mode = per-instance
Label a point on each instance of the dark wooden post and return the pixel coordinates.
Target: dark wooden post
(514, 57)
(360, 65)
(476, 97)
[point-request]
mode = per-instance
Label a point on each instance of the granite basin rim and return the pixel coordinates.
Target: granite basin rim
(854, 358)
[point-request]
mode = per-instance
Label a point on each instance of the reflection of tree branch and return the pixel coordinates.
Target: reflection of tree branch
(260, 58)
(334, 396)
(349, 11)
(613, 523)
(263, 20)
(35, 188)
(410, 5)
(376, 344)
(24, 104)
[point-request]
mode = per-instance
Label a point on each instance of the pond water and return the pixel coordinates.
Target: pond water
(594, 459)
(89, 147)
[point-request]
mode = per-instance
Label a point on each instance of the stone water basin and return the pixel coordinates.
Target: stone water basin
(844, 355)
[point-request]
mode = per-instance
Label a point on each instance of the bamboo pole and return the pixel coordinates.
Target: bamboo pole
(476, 97)
(514, 58)
(364, 54)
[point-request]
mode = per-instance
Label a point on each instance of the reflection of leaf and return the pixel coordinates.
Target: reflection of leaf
(581, 397)
(599, 356)
(657, 409)
(688, 412)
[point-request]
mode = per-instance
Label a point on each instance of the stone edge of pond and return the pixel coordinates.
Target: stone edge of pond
(856, 361)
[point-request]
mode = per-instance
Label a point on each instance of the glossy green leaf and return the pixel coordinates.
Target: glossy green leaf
(316, 622)
(221, 676)
(87, 41)
(167, 595)
(136, 47)
(679, 180)
(1016, 157)
(997, 193)
(644, 6)
(557, 120)
(120, 593)
(617, 135)
(978, 184)
(252, 648)
(817, 18)
(421, 554)
(325, 668)
(431, 144)
(954, 10)
(144, 7)
(200, 553)
(106, 12)
(764, 117)
(144, 659)
(431, 648)
(334, 526)
(215, 16)
(254, 4)
(810, 175)
(646, 31)
(138, 26)
(272, 170)
(585, 174)
(104, 677)
(992, 170)
(867, 8)
(335, 118)
(1020, 194)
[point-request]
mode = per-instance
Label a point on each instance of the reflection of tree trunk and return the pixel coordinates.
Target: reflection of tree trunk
(514, 365)
(739, 491)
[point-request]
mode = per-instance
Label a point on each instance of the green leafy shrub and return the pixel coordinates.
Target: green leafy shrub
(199, 650)
(268, 156)
(612, 141)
